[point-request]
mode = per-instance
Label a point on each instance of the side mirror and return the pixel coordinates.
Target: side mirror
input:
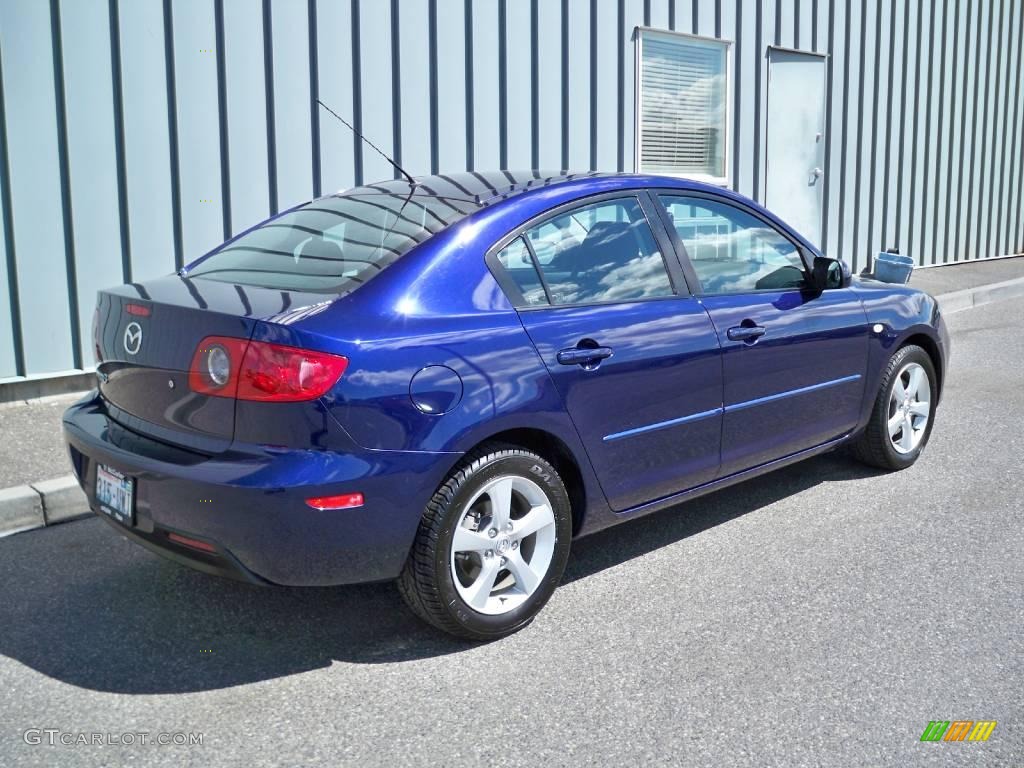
(829, 273)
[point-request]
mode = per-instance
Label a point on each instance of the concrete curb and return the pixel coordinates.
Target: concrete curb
(25, 507)
(968, 298)
(62, 499)
(21, 509)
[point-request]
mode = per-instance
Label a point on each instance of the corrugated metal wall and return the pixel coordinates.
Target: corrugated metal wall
(137, 134)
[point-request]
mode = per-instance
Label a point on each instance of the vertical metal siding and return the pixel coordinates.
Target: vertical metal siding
(11, 355)
(142, 142)
(453, 85)
(487, 130)
(334, 62)
(135, 135)
(516, 87)
(579, 83)
(605, 75)
(94, 253)
(36, 198)
(246, 109)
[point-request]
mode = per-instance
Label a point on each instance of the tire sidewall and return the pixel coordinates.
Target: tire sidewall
(906, 355)
(544, 475)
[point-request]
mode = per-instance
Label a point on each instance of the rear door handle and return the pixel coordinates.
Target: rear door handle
(583, 355)
(746, 332)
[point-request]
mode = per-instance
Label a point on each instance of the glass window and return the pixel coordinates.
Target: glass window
(598, 253)
(733, 251)
(515, 258)
(331, 245)
(682, 106)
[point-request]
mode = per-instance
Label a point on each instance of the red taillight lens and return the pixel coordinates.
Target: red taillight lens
(342, 501)
(257, 370)
(139, 310)
(279, 373)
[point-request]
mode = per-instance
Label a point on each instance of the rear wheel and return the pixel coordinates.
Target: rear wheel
(901, 421)
(492, 545)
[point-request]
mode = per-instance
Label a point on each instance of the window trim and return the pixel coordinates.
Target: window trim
(678, 281)
(638, 34)
(696, 287)
(510, 287)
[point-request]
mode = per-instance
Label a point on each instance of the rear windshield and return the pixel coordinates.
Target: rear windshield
(331, 245)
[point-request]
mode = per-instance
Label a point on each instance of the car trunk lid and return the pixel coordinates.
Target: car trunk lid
(146, 336)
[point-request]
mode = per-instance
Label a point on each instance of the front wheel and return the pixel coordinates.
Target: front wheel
(491, 547)
(901, 420)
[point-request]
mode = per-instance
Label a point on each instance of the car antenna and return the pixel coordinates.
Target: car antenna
(399, 168)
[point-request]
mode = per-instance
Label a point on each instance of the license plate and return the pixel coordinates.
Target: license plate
(115, 494)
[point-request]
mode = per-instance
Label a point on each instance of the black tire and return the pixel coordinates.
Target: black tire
(427, 583)
(873, 446)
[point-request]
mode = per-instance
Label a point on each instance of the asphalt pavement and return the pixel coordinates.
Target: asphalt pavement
(818, 616)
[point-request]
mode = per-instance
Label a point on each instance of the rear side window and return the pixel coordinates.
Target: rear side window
(603, 252)
(515, 258)
(331, 245)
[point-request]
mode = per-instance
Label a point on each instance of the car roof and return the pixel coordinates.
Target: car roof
(480, 187)
(454, 196)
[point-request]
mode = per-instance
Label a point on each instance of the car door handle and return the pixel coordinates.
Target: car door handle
(746, 332)
(583, 355)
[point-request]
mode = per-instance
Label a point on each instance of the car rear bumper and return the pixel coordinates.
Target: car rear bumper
(248, 505)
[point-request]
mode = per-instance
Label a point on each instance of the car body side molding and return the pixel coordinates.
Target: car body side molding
(791, 393)
(662, 424)
(733, 407)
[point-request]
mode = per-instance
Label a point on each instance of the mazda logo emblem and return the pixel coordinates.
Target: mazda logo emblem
(132, 338)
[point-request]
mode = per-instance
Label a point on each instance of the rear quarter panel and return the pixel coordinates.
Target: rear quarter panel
(438, 309)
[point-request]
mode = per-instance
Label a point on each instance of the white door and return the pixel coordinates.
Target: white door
(795, 154)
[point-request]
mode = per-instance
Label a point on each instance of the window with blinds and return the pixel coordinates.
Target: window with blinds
(682, 106)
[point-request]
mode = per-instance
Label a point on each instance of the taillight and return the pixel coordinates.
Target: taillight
(138, 310)
(257, 370)
(279, 373)
(215, 366)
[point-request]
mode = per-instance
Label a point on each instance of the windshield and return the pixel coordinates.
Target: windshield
(333, 244)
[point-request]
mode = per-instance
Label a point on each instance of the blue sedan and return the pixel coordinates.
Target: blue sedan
(446, 382)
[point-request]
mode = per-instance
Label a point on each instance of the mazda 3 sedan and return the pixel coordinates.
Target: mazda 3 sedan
(445, 382)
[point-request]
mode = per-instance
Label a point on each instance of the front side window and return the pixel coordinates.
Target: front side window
(732, 251)
(682, 106)
(601, 252)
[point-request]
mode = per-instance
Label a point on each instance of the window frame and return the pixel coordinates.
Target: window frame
(638, 35)
(678, 281)
(696, 287)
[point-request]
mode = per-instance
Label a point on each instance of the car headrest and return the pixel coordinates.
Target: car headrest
(319, 248)
(605, 232)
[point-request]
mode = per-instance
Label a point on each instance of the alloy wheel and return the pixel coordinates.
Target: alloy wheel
(503, 544)
(909, 408)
